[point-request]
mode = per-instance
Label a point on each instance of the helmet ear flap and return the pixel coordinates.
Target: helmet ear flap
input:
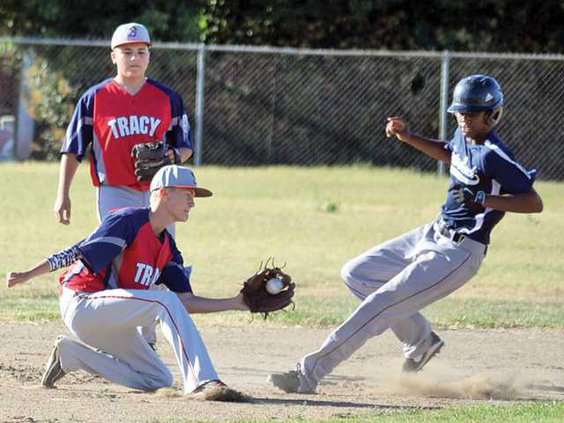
(492, 117)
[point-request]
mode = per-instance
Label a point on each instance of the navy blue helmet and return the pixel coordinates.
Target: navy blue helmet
(476, 93)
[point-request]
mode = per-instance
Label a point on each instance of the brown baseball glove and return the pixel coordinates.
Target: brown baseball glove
(149, 158)
(259, 300)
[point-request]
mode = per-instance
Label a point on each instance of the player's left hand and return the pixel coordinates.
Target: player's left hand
(15, 278)
(173, 155)
(465, 195)
(256, 296)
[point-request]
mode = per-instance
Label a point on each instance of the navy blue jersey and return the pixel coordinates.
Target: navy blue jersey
(124, 252)
(490, 168)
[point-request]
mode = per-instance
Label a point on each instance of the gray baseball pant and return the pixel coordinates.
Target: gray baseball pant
(394, 281)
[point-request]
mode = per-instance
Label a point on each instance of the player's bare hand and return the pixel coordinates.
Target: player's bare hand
(15, 278)
(62, 210)
(396, 126)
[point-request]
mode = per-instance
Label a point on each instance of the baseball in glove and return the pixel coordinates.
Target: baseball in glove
(255, 293)
(150, 157)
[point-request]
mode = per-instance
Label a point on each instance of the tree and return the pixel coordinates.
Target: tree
(482, 25)
(166, 20)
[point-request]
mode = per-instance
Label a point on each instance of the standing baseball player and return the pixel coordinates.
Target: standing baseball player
(113, 117)
(104, 297)
(397, 279)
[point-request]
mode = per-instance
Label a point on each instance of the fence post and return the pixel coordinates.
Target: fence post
(200, 92)
(445, 62)
(25, 125)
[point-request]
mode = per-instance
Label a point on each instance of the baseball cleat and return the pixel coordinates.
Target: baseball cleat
(216, 390)
(53, 370)
(290, 382)
(413, 365)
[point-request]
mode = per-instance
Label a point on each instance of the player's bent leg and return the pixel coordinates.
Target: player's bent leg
(191, 353)
(123, 310)
(367, 272)
(408, 292)
(116, 361)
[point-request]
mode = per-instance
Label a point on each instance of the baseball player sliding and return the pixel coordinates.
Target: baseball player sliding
(104, 297)
(397, 279)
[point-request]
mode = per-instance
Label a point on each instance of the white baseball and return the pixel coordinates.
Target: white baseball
(274, 286)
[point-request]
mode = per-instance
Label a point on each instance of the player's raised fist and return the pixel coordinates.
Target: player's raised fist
(395, 126)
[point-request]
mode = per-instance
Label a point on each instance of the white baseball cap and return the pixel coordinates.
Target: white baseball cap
(174, 176)
(130, 33)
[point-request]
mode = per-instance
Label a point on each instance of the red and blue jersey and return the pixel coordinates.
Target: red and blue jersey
(113, 121)
(490, 168)
(124, 252)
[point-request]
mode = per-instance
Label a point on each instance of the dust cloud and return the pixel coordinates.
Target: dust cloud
(445, 383)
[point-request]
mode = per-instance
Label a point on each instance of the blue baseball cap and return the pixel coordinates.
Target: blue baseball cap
(130, 33)
(174, 176)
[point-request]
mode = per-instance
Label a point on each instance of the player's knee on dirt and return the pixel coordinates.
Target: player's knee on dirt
(163, 379)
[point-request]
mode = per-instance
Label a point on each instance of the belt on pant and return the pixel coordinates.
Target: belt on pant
(449, 233)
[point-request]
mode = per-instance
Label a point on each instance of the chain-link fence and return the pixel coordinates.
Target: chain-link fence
(258, 106)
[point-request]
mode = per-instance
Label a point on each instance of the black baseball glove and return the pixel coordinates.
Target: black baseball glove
(150, 157)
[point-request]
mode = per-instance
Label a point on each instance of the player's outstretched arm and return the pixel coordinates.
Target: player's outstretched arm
(16, 278)
(397, 127)
(195, 304)
(62, 207)
(56, 261)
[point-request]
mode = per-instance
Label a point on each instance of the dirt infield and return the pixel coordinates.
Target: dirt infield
(475, 365)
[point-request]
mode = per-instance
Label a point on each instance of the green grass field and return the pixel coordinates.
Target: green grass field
(315, 219)
(547, 412)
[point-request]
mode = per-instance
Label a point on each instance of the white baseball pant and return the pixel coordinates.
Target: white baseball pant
(106, 324)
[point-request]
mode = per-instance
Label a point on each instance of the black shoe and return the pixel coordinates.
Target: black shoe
(413, 365)
(53, 370)
(291, 382)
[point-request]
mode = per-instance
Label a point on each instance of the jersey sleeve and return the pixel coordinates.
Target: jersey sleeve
(173, 275)
(513, 178)
(450, 146)
(179, 135)
(104, 244)
(80, 130)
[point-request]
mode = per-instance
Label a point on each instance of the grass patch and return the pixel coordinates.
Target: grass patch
(313, 218)
(546, 412)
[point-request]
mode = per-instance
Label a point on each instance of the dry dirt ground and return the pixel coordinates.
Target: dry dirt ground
(475, 366)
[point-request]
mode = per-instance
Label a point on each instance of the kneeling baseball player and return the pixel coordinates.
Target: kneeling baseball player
(104, 297)
(397, 279)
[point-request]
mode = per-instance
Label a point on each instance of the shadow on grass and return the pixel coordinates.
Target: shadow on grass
(343, 404)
